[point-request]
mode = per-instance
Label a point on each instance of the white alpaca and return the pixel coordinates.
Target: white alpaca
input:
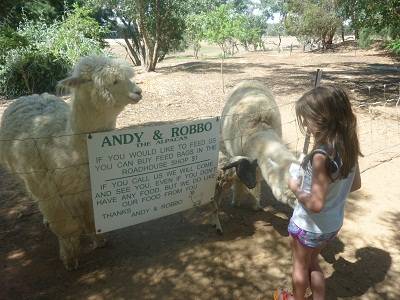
(43, 139)
(251, 127)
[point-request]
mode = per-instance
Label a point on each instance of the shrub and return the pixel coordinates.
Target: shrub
(10, 39)
(394, 46)
(29, 71)
(37, 55)
(366, 38)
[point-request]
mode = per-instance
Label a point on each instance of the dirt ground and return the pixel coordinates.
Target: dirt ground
(177, 258)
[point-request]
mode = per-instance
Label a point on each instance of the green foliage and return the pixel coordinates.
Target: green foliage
(250, 30)
(226, 25)
(312, 19)
(367, 37)
(9, 40)
(221, 26)
(79, 35)
(378, 15)
(28, 72)
(40, 54)
(270, 7)
(151, 28)
(196, 7)
(394, 46)
(276, 29)
(195, 32)
(80, 19)
(13, 12)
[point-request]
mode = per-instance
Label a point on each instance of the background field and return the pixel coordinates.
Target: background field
(177, 258)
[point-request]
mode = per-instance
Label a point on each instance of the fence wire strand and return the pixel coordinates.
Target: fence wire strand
(296, 142)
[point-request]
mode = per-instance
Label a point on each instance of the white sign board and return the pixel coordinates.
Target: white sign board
(144, 173)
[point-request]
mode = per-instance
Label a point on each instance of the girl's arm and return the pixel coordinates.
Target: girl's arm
(357, 180)
(315, 200)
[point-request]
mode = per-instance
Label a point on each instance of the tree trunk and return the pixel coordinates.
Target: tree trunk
(149, 54)
(196, 49)
(329, 39)
(133, 55)
(355, 26)
(342, 31)
(280, 42)
(132, 44)
(237, 48)
(156, 48)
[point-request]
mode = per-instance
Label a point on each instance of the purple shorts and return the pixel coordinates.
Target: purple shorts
(310, 239)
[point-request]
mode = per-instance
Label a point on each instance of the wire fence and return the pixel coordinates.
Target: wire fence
(379, 134)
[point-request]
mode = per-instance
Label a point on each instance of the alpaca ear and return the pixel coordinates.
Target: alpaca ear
(230, 165)
(72, 82)
(234, 162)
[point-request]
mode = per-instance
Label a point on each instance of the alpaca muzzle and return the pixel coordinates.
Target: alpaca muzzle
(136, 97)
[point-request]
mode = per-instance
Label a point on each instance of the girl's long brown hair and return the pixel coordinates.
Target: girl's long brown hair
(326, 111)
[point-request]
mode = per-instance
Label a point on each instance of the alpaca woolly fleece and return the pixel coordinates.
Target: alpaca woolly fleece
(43, 141)
(251, 127)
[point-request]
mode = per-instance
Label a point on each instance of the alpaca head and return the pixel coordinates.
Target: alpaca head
(246, 169)
(105, 82)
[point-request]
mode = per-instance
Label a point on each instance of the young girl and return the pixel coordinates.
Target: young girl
(330, 172)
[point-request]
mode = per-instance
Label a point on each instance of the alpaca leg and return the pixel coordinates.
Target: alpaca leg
(256, 194)
(69, 250)
(239, 192)
(66, 227)
(98, 240)
(216, 222)
(214, 218)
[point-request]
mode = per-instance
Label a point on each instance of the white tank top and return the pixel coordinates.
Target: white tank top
(330, 218)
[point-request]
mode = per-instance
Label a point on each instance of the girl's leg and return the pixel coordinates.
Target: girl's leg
(301, 269)
(317, 279)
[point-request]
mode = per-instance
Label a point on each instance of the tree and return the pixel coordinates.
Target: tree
(377, 15)
(12, 12)
(36, 55)
(151, 28)
(250, 30)
(313, 19)
(270, 7)
(195, 32)
(221, 26)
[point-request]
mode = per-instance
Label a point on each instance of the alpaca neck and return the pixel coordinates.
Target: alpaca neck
(267, 146)
(86, 117)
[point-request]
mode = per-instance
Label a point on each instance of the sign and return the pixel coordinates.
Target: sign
(144, 173)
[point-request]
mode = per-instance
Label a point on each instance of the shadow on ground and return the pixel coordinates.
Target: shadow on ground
(168, 258)
(369, 81)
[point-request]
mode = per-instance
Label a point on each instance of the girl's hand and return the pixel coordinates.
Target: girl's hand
(294, 184)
